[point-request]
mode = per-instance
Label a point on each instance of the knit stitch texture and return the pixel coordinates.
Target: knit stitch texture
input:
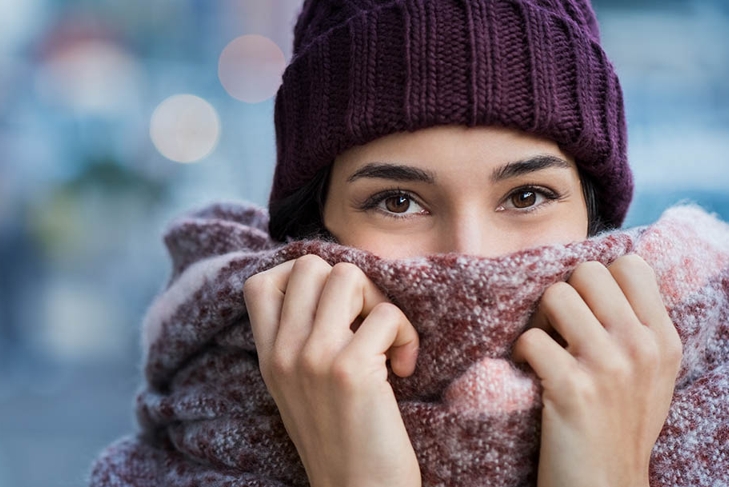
(473, 417)
(363, 69)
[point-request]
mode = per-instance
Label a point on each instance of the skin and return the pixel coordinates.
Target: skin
(466, 208)
(481, 191)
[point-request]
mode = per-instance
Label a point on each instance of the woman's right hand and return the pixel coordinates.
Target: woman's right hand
(330, 382)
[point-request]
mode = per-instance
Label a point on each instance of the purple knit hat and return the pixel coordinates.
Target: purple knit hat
(363, 69)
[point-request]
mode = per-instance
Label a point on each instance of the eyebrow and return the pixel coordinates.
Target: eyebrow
(526, 166)
(393, 172)
(402, 173)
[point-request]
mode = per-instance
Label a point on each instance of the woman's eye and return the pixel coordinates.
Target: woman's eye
(523, 199)
(399, 204)
(527, 199)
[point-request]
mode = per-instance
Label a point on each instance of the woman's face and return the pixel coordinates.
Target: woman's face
(483, 191)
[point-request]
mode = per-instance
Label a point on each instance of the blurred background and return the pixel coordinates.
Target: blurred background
(116, 115)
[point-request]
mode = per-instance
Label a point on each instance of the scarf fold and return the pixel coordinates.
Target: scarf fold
(205, 417)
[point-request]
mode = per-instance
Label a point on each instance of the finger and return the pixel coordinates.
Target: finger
(386, 330)
(264, 296)
(307, 279)
(597, 287)
(638, 283)
(347, 295)
(544, 355)
(563, 310)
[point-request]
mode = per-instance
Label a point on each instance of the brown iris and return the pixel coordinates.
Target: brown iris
(397, 204)
(524, 199)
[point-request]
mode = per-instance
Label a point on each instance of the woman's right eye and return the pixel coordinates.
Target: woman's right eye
(398, 205)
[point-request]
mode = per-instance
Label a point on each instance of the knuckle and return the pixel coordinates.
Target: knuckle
(580, 388)
(591, 266)
(632, 264)
(279, 365)
(587, 270)
(265, 371)
(344, 372)
(271, 374)
(347, 271)
(256, 289)
(674, 350)
(531, 337)
(311, 362)
(648, 356)
(387, 312)
(632, 260)
(529, 340)
(255, 285)
(310, 263)
(617, 368)
(557, 292)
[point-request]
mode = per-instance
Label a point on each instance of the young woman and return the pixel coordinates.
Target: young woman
(421, 306)
(480, 127)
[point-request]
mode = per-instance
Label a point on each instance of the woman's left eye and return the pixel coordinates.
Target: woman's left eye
(527, 199)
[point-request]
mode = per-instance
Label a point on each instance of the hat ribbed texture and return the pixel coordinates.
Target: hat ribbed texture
(364, 69)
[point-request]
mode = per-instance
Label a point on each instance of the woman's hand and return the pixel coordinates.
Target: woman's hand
(606, 395)
(330, 382)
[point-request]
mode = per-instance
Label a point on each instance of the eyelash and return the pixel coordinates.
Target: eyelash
(373, 202)
(549, 194)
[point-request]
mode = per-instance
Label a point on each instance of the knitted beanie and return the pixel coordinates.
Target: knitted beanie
(363, 69)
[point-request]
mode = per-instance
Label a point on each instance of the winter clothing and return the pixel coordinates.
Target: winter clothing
(473, 417)
(363, 69)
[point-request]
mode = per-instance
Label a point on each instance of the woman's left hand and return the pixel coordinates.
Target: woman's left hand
(606, 395)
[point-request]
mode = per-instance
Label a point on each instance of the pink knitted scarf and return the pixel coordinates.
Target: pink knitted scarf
(473, 417)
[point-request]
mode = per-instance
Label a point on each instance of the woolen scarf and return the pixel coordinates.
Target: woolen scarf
(206, 419)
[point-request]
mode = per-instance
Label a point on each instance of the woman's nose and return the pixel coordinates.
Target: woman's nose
(470, 233)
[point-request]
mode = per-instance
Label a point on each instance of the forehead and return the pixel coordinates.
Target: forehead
(445, 149)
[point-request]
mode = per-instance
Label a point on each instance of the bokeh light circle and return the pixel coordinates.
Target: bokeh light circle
(250, 68)
(185, 128)
(90, 76)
